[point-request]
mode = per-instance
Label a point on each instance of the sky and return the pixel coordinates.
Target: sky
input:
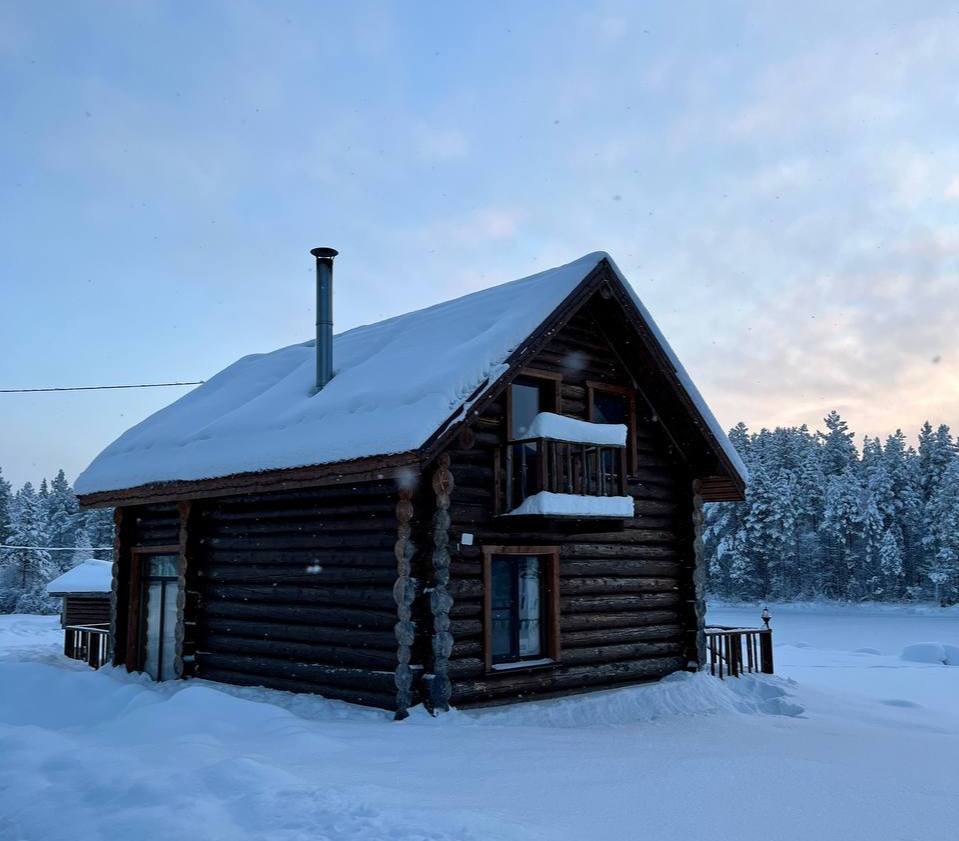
(780, 183)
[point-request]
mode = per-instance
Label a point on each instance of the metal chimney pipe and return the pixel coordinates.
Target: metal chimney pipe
(324, 314)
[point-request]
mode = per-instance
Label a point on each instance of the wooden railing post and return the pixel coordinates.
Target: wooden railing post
(766, 650)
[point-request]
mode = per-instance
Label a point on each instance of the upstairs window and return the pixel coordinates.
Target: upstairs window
(528, 396)
(521, 607)
(615, 404)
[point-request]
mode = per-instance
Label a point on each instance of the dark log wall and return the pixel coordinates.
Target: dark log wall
(295, 591)
(84, 609)
(627, 601)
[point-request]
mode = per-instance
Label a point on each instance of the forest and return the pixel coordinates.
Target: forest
(823, 519)
(42, 534)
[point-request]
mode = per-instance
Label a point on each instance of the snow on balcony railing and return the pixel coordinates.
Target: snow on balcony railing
(545, 503)
(562, 428)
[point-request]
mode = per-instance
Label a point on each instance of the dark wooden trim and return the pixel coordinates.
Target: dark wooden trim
(592, 386)
(552, 582)
(366, 469)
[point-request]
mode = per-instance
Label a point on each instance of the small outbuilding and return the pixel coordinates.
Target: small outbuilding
(492, 499)
(85, 612)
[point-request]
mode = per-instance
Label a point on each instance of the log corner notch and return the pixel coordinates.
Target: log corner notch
(441, 601)
(698, 612)
(404, 592)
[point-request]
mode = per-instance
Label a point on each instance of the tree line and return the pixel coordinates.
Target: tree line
(49, 535)
(822, 519)
(825, 519)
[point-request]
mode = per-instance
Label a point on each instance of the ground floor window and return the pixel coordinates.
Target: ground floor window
(521, 606)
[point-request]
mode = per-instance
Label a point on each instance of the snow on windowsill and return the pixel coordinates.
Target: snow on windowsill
(546, 503)
(522, 664)
(576, 431)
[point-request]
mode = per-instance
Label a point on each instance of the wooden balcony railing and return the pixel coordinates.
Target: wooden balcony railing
(87, 642)
(544, 464)
(733, 651)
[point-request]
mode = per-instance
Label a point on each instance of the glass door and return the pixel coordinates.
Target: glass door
(159, 612)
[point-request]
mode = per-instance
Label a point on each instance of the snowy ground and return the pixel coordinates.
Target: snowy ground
(848, 744)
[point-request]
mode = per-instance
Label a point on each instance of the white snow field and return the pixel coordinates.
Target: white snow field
(851, 742)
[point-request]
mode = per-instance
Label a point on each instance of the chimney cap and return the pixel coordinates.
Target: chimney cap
(324, 253)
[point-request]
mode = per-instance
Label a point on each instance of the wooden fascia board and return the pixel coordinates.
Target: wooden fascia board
(372, 468)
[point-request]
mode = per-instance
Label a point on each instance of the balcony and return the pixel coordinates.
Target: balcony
(551, 473)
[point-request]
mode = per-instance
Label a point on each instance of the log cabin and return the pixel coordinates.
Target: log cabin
(85, 593)
(493, 499)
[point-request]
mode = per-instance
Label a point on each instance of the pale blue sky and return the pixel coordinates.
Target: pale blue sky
(779, 181)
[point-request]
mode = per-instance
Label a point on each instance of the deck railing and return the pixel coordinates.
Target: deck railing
(545, 464)
(87, 642)
(733, 651)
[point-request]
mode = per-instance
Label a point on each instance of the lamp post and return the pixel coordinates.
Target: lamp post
(766, 616)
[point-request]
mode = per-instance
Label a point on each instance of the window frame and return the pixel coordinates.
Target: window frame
(551, 383)
(136, 632)
(594, 386)
(549, 575)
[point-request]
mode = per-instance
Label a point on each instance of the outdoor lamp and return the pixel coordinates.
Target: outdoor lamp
(766, 616)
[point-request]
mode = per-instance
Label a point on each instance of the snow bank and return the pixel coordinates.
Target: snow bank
(89, 576)
(932, 652)
(395, 383)
(679, 694)
(563, 428)
(574, 505)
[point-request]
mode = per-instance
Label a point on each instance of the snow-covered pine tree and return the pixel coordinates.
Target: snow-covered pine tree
(98, 523)
(30, 565)
(941, 568)
(63, 519)
(81, 547)
(890, 562)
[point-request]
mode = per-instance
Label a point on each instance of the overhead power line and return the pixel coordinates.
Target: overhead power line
(96, 387)
(60, 548)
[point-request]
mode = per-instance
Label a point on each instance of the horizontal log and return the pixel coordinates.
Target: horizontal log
(325, 615)
(463, 629)
(330, 655)
(344, 541)
(614, 585)
(347, 491)
(316, 527)
(366, 698)
(310, 575)
(326, 556)
(384, 640)
(617, 636)
(617, 604)
(381, 505)
(373, 598)
(552, 680)
(626, 651)
(468, 667)
(639, 550)
(619, 566)
(594, 621)
(330, 676)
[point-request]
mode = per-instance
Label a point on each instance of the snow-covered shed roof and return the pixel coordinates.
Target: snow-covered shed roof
(395, 383)
(89, 576)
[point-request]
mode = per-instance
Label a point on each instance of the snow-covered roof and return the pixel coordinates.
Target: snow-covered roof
(395, 383)
(89, 576)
